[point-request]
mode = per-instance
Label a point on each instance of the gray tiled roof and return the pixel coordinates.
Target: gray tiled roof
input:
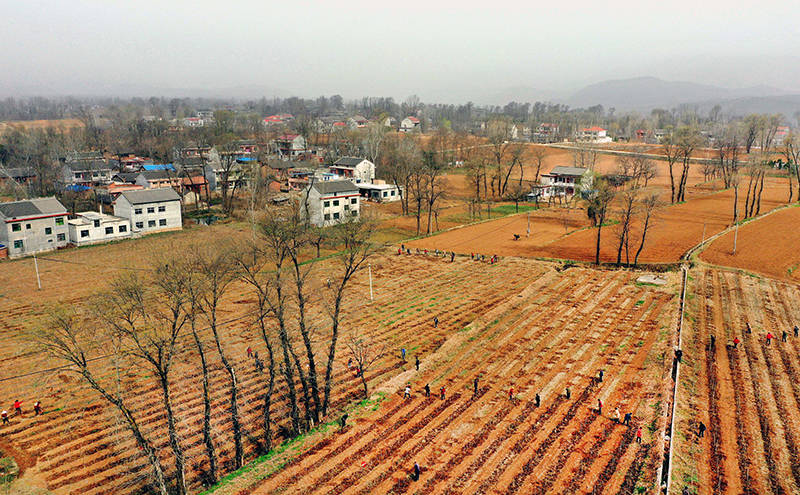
(575, 171)
(335, 186)
(349, 161)
(151, 195)
(31, 208)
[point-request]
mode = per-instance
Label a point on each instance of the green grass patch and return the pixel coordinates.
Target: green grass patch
(639, 302)
(8, 470)
(511, 209)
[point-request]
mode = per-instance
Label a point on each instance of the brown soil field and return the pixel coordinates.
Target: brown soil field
(78, 446)
(748, 396)
(674, 230)
(767, 246)
(556, 332)
(29, 125)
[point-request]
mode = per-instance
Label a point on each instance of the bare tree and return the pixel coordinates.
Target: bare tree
(597, 208)
(649, 206)
(371, 142)
(366, 351)
(149, 320)
(671, 151)
(538, 154)
(584, 155)
(216, 266)
(67, 336)
(791, 151)
(354, 237)
(627, 211)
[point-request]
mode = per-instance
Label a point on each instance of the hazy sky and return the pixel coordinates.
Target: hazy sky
(445, 50)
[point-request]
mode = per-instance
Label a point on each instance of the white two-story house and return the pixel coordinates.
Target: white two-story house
(565, 181)
(356, 169)
(32, 226)
(330, 202)
(150, 210)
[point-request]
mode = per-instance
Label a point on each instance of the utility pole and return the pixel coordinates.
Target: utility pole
(735, 238)
(529, 225)
(36, 266)
(369, 266)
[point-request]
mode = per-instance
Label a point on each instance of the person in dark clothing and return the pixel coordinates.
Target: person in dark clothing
(343, 420)
(408, 251)
(435, 322)
(416, 363)
(678, 354)
(37, 408)
(427, 390)
(713, 342)
(784, 336)
(441, 393)
(568, 394)
(255, 355)
(417, 472)
(748, 330)
(403, 353)
(536, 400)
(701, 430)
(796, 330)
(600, 376)
(627, 420)
(475, 386)
(599, 407)
(452, 257)
(4, 417)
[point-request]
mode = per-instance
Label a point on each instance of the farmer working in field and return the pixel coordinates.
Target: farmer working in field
(17, 407)
(427, 390)
(784, 336)
(736, 342)
(769, 337)
(475, 386)
(417, 362)
(701, 430)
(796, 330)
(417, 472)
(37, 408)
(639, 435)
(627, 420)
(4, 417)
(407, 393)
(537, 400)
(441, 393)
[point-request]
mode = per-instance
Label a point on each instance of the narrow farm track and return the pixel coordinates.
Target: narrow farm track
(757, 400)
(81, 448)
(555, 333)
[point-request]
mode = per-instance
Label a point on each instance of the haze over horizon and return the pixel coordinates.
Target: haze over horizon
(444, 51)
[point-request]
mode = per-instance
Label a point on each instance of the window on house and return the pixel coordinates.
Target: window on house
(162, 222)
(354, 201)
(123, 228)
(326, 204)
(139, 225)
(27, 226)
(162, 209)
(96, 223)
(327, 216)
(18, 244)
(61, 237)
(151, 223)
(354, 213)
(385, 194)
(84, 233)
(392, 192)
(16, 227)
(109, 230)
(137, 211)
(151, 209)
(336, 216)
(60, 221)
(335, 202)
(48, 231)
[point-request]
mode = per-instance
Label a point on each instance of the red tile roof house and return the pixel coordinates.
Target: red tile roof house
(594, 135)
(409, 124)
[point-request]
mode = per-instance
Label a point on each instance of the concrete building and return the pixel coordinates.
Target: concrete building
(330, 202)
(92, 227)
(32, 226)
(409, 124)
(356, 169)
(565, 181)
(381, 193)
(594, 135)
(150, 210)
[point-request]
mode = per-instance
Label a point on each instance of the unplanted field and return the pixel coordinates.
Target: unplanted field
(673, 231)
(555, 333)
(748, 396)
(78, 446)
(767, 245)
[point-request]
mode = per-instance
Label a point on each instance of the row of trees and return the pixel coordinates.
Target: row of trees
(147, 318)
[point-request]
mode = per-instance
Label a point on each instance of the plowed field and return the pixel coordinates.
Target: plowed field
(748, 396)
(554, 333)
(767, 246)
(78, 446)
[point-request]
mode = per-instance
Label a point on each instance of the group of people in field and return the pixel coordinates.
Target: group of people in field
(37, 410)
(447, 254)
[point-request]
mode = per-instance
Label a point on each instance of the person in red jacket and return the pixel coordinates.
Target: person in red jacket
(17, 407)
(441, 393)
(769, 337)
(736, 342)
(639, 435)
(599, 407)
(511, 394)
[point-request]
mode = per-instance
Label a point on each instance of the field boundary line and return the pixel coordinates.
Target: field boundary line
(662, 478)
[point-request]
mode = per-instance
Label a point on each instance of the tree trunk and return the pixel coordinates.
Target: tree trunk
(234, 396)
(747, 198)
(760, 188)
(671, 182)
(133, 426)
(269, 392)
(735, 203)
(597, 246)
(174, 442)
(207, 439)
(301, 312)
(641, 244)
(332, 351)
